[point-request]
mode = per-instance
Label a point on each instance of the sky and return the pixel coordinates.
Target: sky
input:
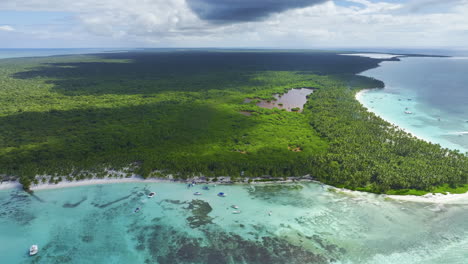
(233, 23)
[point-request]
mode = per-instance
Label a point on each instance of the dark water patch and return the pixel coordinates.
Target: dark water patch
(200, 210)
(166, 244)
(73, 205)
(14, 209)
(281, 194)
(112, 202)
(87, 238)
(54, 252)
(39, 199)
(292, 101)
(329, 247)
(177, 202)
(168, 204)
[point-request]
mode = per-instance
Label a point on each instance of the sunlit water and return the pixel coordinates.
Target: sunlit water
(308, 224)
(433, 90)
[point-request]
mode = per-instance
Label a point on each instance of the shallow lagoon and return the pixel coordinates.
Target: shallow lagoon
(308, 224)
(294, 98)
(434, 90)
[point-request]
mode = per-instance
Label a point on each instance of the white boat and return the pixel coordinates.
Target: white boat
(408, 112)
(236, 212)
(197, 193)
(33, 250)
(151, 194)
(235, 206)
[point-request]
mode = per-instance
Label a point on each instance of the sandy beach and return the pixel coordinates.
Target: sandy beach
(437, 198)
(10, 185)
(359, 97)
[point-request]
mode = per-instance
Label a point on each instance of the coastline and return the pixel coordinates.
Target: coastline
(429, 198)
(137, 179)
(359, 97)
(434, 198)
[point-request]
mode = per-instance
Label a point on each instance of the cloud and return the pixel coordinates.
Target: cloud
(233, 11)
(273, 23)
(432, 6)
(6, 28)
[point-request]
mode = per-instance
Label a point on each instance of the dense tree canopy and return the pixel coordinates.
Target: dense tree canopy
(181, 113)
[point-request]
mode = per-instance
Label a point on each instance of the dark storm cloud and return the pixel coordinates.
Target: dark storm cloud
(234, 11)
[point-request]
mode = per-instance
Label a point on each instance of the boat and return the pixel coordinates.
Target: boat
(236, 212)
(221, 194)
(137, 210)
(33, 250)
(269, 213)
(235, 206)
(151, 194)
(197, 193)
(408, 112)
(205, 188)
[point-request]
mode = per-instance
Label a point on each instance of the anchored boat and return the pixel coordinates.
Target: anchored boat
(33, 250)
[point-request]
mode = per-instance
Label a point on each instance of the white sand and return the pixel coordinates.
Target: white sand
(360, 94)
(428, 198)
(10, 185)
(67, 184)
(437, 198)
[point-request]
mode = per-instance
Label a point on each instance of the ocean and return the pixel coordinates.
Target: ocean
(426, 96)
(277, 223)
(19, 53)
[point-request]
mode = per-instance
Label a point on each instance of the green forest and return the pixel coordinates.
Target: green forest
(179, 112)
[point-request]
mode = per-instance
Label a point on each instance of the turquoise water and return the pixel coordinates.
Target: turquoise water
(308, 224)
(434, 90)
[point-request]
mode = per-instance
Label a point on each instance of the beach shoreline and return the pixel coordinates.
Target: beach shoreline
(137, 179)
(430, 198)
(359, 97)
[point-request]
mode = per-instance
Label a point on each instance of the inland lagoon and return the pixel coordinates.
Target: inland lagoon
(293, 100)
(277, 223)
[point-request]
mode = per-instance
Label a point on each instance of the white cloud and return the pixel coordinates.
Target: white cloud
(173, 23)
(6, 28)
